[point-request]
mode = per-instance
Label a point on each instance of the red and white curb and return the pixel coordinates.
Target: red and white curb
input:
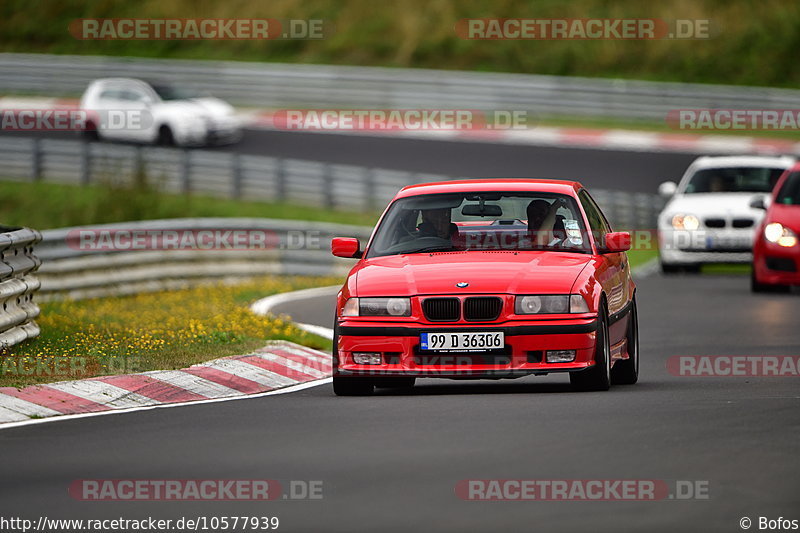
(595, 138)
(592, 138)
(278, 367)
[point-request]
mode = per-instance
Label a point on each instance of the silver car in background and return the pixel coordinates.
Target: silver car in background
(128, 109)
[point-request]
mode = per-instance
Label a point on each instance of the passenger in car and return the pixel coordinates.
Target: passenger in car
(544, 225)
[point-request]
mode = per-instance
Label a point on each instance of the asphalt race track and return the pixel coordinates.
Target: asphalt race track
(607, 169)
(391, 462)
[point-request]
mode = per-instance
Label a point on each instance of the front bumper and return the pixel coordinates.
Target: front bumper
(777, 265)
(524, 353)
(705, 246)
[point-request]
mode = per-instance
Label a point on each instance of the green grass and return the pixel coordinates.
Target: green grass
(753, 42)
(154, 331)
(47, 205)
(727, 269)
(640, 257)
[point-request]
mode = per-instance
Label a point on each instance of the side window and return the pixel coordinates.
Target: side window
(597, 222)
(132, 95)
(110, 94)
(596, 219)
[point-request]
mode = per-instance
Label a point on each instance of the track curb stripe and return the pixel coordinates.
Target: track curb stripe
(280, 364)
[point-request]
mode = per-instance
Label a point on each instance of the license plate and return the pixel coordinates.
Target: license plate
(723, 242)
(462, 342)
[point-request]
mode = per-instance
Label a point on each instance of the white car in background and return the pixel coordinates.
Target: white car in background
(709, 217)
(130, 109)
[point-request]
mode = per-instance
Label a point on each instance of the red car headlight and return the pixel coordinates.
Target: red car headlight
(377, 307)
(780, 235)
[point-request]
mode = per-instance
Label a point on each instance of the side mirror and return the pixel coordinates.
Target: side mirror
(346, 247)
(758, 203)
(617, 241)
(667, 189)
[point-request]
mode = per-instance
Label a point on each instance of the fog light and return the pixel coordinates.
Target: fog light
(367, 358)
(560, 356)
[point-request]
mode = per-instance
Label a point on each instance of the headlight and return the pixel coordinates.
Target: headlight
(550, 304)
(687, 222)
(780, 235)
(377, 307)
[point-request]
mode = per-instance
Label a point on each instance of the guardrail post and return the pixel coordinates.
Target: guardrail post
(327, 186)
(36, 160)
(85, 163)
(186, 170)
(236, 186)
(280, 179)
(139, 177)
(370, 200)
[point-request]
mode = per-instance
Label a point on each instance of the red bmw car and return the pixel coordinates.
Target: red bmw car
(776, 251)
(487, 278)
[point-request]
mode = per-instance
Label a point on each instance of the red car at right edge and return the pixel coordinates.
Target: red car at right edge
(776, 250)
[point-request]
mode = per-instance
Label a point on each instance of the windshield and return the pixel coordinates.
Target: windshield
(733, 179)
(481, 221)
(790, 190)
(169, 92)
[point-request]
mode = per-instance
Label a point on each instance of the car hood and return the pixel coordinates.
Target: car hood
(719, 204)
(485, 271)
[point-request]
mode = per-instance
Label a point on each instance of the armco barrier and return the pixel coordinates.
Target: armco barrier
(294, 248)
(18, 285)
(251, 177)
(278, 85)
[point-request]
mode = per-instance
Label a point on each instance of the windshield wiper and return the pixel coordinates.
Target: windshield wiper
(431, 249)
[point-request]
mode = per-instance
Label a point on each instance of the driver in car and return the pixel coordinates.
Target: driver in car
(437, 223)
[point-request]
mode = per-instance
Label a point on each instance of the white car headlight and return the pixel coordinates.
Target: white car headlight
(377, 307)
(542, 304)
(687, 222)
(780, 235)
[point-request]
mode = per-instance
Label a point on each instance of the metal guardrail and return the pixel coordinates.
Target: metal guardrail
(294, 248)
(273, 85)
(251, 177)
(18, 285)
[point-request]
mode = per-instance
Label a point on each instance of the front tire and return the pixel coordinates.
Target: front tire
(626, 371)
(675, 268)
(668, 268)
(598, 377)
(90, 133)
(165, 136)
(757, 286)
